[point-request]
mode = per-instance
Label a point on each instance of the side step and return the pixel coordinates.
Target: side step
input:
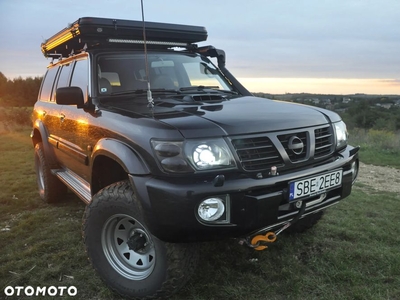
(74, 182)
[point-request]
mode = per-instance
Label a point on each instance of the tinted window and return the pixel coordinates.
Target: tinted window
(166, 70)
(48, 83)
(80, 76)
(63, 79)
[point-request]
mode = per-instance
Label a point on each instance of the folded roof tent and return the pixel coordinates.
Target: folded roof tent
(89, 32)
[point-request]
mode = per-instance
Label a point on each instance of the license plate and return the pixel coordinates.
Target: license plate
(315, 185)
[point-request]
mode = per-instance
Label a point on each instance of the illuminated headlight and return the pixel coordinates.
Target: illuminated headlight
(341, 135)
(210, 154)
(188, 156)
(215, 210)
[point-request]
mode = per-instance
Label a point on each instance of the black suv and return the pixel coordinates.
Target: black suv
(166, 148)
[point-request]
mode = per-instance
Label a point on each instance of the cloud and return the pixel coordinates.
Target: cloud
(286, 38)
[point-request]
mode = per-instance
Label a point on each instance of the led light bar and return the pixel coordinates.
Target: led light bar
(161, 43)
(63, 39)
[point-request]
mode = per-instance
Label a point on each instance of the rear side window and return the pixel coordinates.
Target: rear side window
(48, 83)
(63, 79)
(80, 76)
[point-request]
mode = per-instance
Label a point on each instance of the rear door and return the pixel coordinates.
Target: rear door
(73, 135)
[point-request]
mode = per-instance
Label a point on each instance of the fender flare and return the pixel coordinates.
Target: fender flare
(47, 147)
(126, 156)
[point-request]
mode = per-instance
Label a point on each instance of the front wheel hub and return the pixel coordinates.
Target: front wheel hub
(137, 242)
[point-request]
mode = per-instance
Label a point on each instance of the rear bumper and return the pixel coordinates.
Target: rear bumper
(170, 205)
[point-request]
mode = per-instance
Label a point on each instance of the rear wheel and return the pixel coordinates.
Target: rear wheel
(50, 188)
(129, 259)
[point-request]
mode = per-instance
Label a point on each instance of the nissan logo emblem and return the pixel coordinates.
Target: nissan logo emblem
(296, 145)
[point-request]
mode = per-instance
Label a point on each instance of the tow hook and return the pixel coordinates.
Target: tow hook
(260, 241)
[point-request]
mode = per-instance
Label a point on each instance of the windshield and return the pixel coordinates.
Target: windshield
(119, 73)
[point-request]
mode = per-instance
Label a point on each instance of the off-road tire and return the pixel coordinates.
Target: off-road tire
(173, 264)
(51, 189)
(306, 223)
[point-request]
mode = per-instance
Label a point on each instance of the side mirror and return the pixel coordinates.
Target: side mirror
(70, 96)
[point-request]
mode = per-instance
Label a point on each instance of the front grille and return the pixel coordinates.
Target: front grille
(297, 154)
(257, 153)
(323, 142)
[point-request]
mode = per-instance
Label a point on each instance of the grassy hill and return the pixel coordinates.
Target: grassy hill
(351, 254)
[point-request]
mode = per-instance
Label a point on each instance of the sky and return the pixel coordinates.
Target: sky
(272, 46)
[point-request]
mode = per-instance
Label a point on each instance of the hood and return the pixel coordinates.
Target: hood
(246, 115)
(228, 116)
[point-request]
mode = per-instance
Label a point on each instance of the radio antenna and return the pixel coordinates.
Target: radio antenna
(149, 95)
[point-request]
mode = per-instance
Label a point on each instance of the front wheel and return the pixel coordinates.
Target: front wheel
(129, 259)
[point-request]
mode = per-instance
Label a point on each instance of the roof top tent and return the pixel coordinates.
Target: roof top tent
(89, 32)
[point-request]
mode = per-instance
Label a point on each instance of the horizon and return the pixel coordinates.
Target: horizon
(284, 84)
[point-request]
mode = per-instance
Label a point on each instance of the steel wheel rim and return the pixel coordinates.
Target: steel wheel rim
(134, 265)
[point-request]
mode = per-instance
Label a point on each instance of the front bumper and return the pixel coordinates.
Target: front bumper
(170, 205)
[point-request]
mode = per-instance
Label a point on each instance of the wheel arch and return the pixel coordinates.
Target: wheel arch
(112, 161)
(40, 134)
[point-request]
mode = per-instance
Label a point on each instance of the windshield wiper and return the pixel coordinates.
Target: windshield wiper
(144, 91)
(198, 87)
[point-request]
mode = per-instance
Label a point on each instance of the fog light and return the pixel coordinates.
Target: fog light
(211, 209)
(354, 170)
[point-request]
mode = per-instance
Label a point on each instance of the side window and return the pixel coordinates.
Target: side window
(80, 76)
(63, 79)
(48, 83)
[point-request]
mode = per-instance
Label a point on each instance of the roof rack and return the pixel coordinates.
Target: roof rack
(88, 33)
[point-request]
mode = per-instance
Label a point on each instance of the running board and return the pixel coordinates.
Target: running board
(75, 183)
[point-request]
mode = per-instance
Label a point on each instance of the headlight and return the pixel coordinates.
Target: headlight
(209, 154)
(341, 135)
(184, 157)
(170, 156)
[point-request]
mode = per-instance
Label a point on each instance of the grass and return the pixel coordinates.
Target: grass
(378, 147)
(351, 254)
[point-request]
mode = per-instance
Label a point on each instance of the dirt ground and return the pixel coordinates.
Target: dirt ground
(380, 178)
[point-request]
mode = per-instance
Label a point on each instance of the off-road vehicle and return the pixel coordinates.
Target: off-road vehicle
(168, 149)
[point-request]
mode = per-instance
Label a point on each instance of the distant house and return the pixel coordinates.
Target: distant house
(385, 105)
(315, 100)
(326, 101)
(346, 100)
(397, 102)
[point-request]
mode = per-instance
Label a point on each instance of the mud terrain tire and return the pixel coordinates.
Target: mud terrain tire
(51, 189)
(128, 258)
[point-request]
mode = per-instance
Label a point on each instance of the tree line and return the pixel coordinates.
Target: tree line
(366, 115)
(19, 92)
(361, 113)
